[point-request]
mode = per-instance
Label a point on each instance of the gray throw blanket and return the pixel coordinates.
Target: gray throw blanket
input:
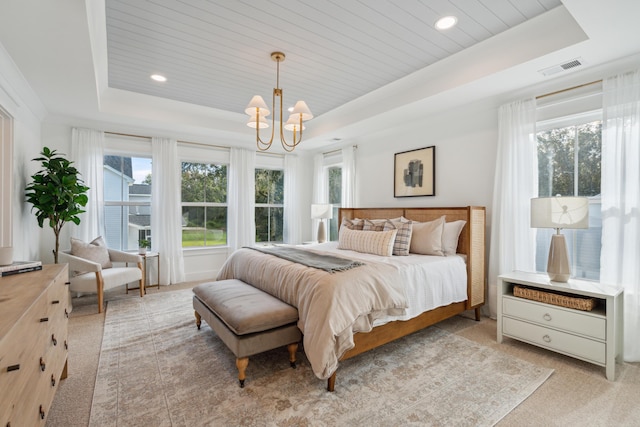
(327, 263)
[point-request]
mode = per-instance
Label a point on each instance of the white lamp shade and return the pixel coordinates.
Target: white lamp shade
(301, 109)
(560, 212)
(322, 211)
(293, 124)
(257, 102)
(262, 122)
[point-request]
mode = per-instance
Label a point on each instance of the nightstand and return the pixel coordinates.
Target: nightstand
(594, 336)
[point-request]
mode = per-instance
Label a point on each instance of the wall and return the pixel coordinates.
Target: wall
(18, 100)
(465, 141)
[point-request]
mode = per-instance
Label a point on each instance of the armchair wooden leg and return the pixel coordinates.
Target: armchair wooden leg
(144, 273)
(100, 290)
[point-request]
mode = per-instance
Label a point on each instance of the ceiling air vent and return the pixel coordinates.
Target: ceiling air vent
(562, 67)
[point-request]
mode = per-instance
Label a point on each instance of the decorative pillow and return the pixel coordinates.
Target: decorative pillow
(352, 224)
(95, 251)
(426, 237)
(374, 225)
(370, 242)
(450, 235)
(403, 239)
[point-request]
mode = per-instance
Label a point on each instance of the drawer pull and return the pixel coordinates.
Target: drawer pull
(13, 367)
(66, 346)
(43, 365)
(54, 340)
(546, 338)
(53, 381)
(66, 313)
(55, 302)
(547, 317)
(44, 319)
(67, 283)
(41, 412)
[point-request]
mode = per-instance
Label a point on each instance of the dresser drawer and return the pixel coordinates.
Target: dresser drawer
(583, 323)
(572, 345)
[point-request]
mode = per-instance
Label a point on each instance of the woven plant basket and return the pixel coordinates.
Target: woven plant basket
(578, 303)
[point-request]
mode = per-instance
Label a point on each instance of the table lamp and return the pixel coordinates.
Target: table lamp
(322, 212)
(559, 212)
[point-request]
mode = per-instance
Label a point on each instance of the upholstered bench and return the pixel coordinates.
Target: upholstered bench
(248, 320)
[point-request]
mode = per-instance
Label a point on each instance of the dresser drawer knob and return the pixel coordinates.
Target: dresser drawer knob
(547, 317)
(66, 346)
(44, 319)
(43, 365)
(56, 301)
(53, 381)
(41, 412)
(546, 338)
(66, 313)
(54, 340)
(13, 367)
(67, 283)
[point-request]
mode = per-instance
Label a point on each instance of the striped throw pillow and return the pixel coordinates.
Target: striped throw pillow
(370, 242)
(402, 243)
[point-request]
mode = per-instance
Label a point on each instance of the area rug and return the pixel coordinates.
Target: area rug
(157, 369)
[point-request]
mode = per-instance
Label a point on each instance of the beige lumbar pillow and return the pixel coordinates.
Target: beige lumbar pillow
(95, 251)
(370, 242)
(426, 237)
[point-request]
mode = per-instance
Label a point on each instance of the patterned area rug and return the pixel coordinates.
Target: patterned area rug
(157, 369)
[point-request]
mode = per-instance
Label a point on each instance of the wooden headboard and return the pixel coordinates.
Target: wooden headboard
(471, 241)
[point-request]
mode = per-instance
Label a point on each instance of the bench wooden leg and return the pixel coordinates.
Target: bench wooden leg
(198, 319)
(241, 364)
(331, 382)
(477, 314)
(293, 348)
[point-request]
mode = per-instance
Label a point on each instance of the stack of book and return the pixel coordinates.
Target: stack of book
(18, 267)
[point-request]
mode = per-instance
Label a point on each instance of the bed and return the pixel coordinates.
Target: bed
(338, 326)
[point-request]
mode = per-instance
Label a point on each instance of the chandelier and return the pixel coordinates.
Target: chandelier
(257, 111)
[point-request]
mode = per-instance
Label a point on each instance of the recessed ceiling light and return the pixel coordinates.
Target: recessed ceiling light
(446, 22)
(158, 78)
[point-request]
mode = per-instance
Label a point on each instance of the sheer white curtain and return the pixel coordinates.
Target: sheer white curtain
(515, 183)
(620, 186)
(292, 223)
(87, 150)
(242, 199)
(349, 177)
(320, 189)
(166, 211)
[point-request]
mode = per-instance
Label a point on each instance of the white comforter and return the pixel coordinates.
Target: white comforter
(334, 306)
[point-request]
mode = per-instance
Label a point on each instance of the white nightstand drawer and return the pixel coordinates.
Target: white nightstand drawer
(572, 345)
(582, 323)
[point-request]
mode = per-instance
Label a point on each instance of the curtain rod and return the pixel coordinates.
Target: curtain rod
(179, 141)
(569, 88)
(355, 147)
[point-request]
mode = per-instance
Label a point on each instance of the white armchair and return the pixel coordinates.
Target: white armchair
(90, 277)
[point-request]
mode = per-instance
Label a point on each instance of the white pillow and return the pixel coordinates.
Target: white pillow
(450, 236)
(426, 237)
(95, 251)
(370, 242)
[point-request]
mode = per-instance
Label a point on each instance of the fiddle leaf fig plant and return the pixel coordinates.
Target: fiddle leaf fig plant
(57, 193)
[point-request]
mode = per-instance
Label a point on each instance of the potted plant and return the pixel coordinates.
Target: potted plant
(143, 245)
(56, 193)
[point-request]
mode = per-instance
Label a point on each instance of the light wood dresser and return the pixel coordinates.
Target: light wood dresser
(594, 336)
(34, 312)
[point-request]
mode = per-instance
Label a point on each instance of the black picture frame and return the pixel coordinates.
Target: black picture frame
(415, 173)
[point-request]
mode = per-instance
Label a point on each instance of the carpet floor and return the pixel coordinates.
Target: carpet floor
(157, 369)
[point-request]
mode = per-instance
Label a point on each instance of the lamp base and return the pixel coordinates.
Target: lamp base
(558, 267)
(322, 234)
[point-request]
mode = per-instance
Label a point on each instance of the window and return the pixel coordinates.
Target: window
(334, 175)
(204, 204)
(569, 155)
(269, 205)
(127, 195)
